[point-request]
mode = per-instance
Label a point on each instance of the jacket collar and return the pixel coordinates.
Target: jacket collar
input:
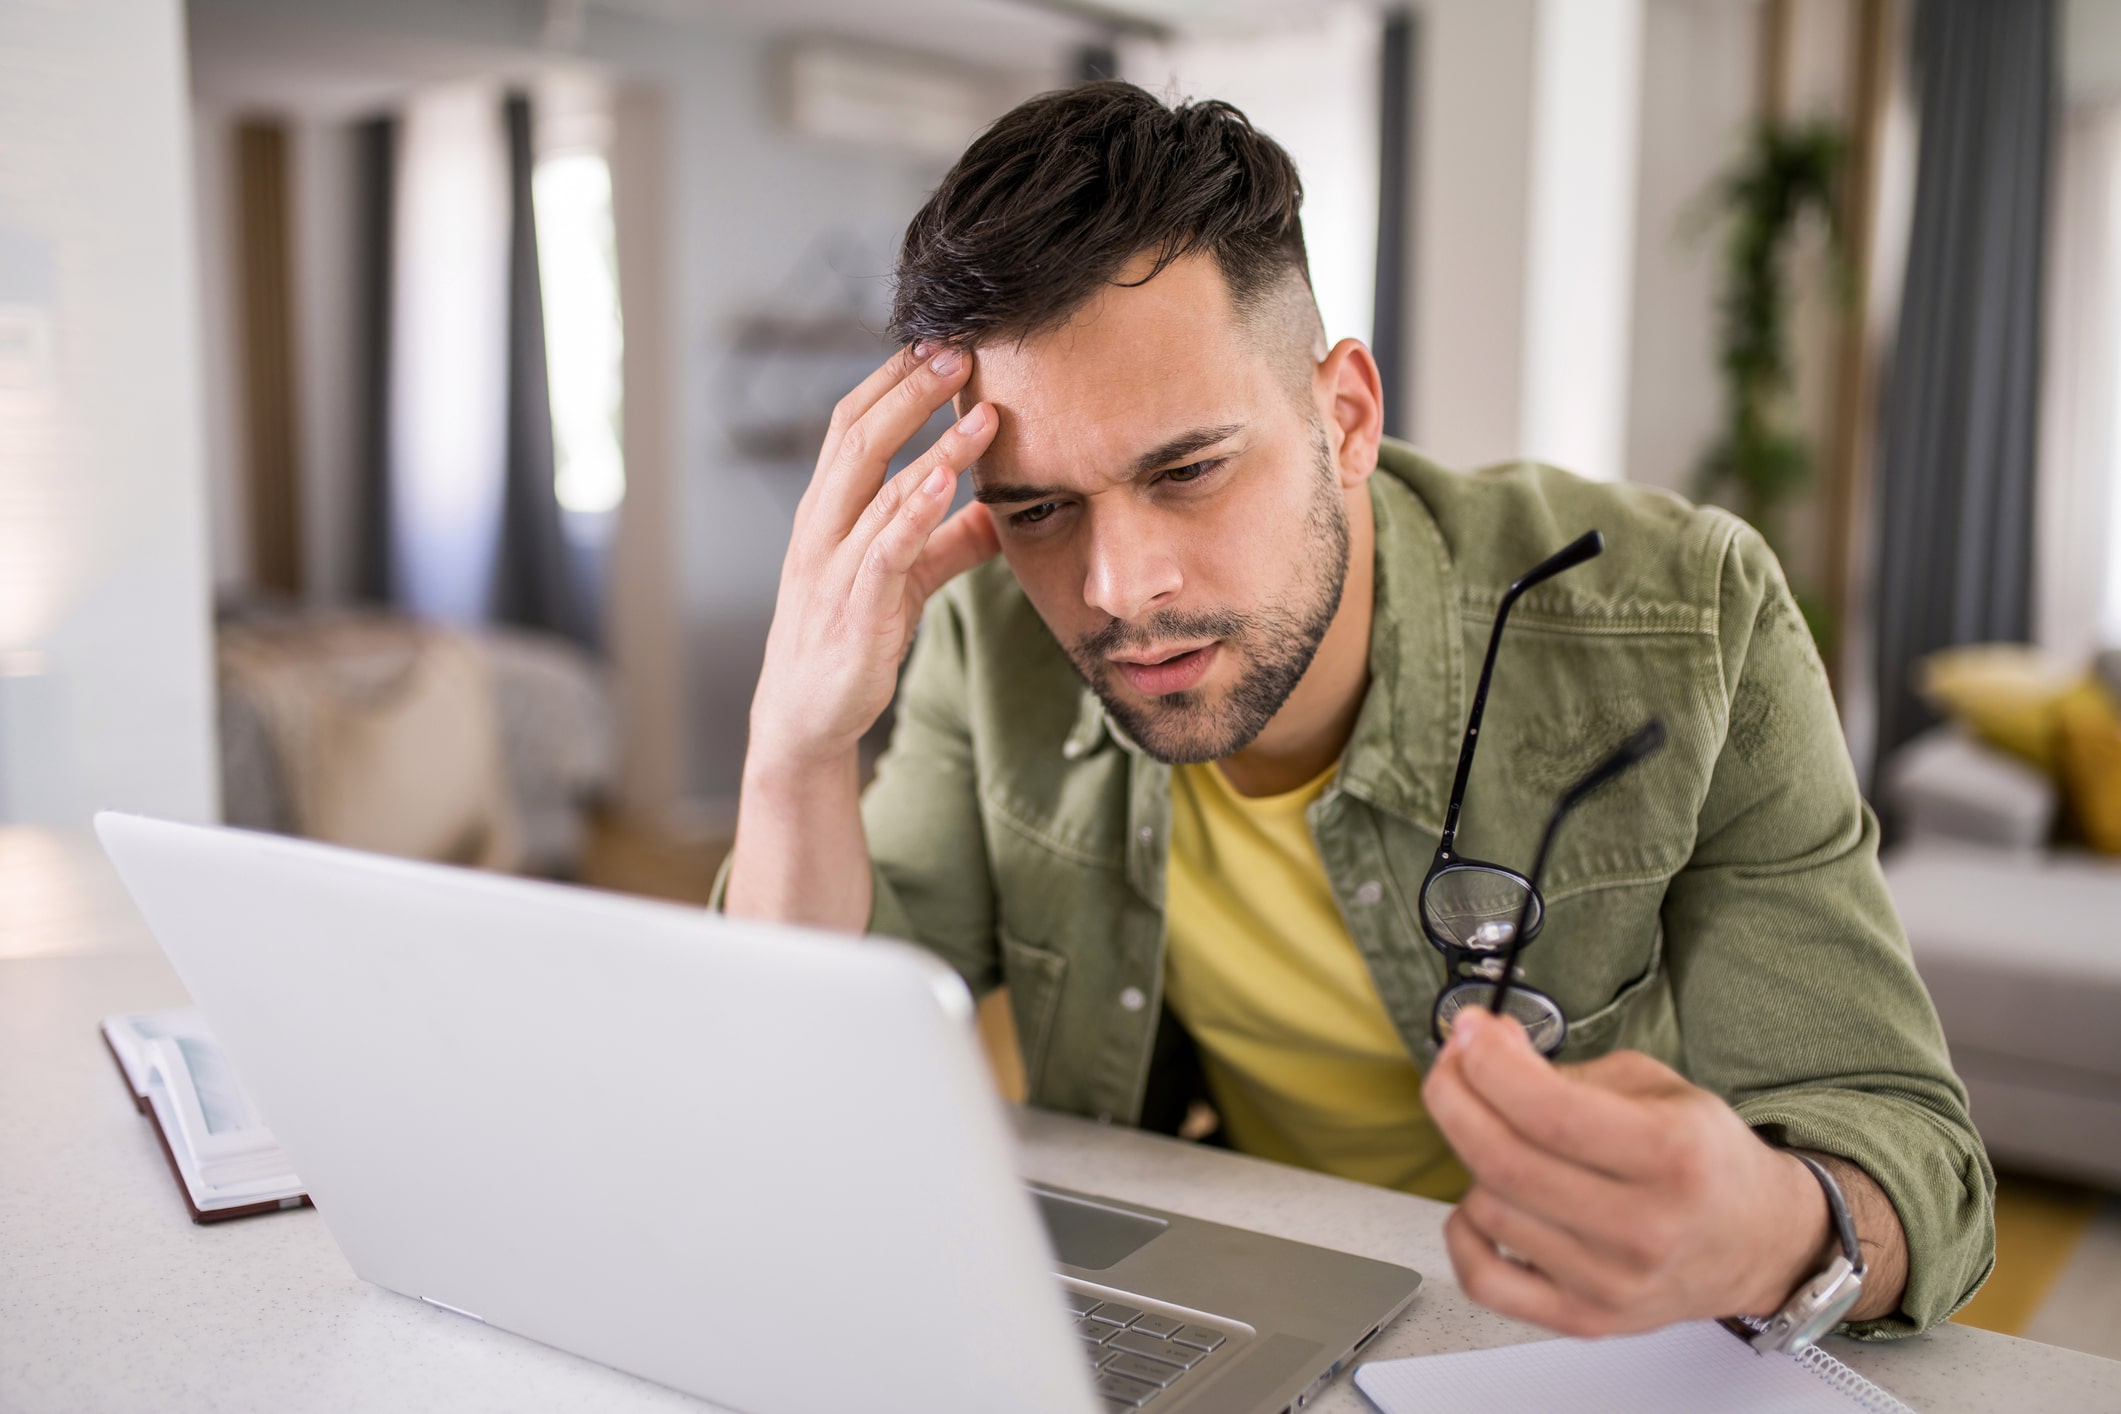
(1405, 745)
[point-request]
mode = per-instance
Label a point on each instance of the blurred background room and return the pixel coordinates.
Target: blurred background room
(403, 406)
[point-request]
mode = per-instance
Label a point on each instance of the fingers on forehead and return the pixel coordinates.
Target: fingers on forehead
(919, 391)
(872, 389)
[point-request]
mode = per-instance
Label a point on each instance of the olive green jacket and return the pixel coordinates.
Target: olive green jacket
(1720, 907)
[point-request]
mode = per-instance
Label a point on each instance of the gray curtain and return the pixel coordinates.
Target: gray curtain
(1955, 488)
(538, 582)
(1395, 213)
(535, 579)
(376, 141)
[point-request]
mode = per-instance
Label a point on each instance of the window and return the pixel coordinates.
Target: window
(578, 270)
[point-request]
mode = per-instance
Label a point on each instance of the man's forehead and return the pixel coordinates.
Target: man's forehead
(1031, 478)
(1134, 370)
(1092, 446)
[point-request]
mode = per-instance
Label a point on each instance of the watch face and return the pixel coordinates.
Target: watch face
(1821, 1324)
(1815, 1310)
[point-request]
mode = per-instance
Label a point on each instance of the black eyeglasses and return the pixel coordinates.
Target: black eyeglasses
(1480, 915)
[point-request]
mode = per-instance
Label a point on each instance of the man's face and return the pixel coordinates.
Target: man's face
(1170, 504)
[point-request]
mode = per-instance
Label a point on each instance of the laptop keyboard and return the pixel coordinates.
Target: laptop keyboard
(1138, 1355)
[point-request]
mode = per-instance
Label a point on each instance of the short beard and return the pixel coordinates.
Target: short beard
(1275, 646)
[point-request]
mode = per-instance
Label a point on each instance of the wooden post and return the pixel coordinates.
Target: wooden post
(265, 280)
(1777, 21)
(1847, 485)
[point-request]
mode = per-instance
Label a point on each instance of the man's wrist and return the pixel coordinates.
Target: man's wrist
(799, 854)
(778, 764)
(1803, 1241)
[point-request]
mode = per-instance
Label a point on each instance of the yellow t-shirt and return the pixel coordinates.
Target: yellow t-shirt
(1301, 1058)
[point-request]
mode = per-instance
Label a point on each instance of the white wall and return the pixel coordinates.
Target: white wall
(1524, 230)
(103, 572)
(1698, 80)
(2091, 50)
(1313, 88)
(1579, 269)
(1473, 101)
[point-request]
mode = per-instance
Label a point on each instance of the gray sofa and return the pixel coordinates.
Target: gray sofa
(2020, 946)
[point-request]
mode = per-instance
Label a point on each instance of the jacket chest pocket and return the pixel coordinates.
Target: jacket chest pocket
(1597, 956)
(1597, 1032)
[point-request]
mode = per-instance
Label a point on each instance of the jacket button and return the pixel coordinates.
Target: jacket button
(1132, 999)
(1146, 833)
(1369, 891)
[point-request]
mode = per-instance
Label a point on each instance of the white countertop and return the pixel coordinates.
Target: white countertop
(111, 1299)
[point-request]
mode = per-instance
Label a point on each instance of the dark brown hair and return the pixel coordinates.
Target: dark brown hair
(1047, 207)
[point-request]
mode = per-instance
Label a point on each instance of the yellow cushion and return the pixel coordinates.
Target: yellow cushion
(2089, 746)
(2006, 694)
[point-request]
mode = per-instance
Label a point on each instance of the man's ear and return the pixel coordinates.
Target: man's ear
(1350, 397)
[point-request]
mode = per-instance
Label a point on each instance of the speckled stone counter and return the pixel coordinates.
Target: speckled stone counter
(1952, 1368)
(112, 1300)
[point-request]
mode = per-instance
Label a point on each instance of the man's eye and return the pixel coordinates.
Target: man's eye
(1035, 514)
(1195, 472)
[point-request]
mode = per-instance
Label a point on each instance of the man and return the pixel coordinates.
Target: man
(1173, 747)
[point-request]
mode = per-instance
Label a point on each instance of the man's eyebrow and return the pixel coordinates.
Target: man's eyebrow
(1184, 445)
(1010, 495)
(1178, 448)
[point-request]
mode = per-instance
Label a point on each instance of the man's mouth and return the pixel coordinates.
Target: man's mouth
(1161, 671)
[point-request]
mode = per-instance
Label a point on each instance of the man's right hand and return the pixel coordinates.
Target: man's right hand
(864, 557)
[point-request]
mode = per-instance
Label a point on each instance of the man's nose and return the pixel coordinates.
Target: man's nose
(1131, 570)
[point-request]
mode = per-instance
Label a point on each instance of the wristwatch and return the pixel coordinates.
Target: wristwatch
(1819, 1304)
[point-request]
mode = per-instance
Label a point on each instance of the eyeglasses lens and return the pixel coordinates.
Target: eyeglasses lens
(1476, 908)
(1535, 1011)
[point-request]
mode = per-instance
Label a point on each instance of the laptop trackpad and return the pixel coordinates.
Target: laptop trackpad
(1091, 1235)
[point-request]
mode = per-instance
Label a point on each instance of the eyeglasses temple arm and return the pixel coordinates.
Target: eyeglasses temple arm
(1584, 547)
(1646, 742)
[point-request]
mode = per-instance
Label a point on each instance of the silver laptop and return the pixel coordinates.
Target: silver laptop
(761, 1165)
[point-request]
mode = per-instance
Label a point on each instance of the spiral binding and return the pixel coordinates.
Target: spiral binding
(1815, 1358)
(1847, 1381)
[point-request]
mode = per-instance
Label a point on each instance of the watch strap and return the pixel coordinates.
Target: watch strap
(1823, 1299)
(1837, 1205)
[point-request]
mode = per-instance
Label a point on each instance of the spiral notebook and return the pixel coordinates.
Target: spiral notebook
(1681, 1369)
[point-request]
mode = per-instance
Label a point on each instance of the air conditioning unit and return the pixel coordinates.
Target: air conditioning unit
(875, 97)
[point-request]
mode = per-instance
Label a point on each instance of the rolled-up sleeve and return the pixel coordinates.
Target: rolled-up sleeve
(1797, 998)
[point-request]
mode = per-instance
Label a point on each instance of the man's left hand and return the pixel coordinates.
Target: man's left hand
(1613, 1196)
